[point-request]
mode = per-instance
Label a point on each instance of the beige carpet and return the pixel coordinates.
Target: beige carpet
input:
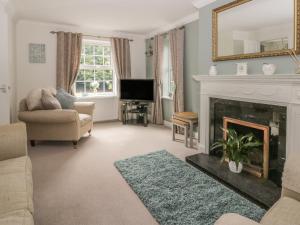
(82, 187)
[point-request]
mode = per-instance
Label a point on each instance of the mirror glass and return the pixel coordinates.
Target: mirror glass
(256, 26)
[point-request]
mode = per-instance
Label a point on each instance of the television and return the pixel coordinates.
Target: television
(137, 90)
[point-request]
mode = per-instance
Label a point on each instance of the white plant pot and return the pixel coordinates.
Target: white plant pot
(232, 167)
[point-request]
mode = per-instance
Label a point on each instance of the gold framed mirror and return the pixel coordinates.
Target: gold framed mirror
(245, 29)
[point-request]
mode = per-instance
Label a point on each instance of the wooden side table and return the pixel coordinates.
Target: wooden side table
(192, 119)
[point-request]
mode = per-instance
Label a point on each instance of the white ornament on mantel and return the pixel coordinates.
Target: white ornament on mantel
(269, 69)
(281, 90)
(213, 70)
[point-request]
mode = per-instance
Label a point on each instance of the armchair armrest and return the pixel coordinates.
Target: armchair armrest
(13, 141)
(85, 107)
(49, 116)
(234, 219)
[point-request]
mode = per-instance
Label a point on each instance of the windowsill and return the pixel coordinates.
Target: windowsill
(97, 97)
(167, 98)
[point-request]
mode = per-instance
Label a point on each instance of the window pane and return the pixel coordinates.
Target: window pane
(89, 49)
(109, 86)
(99, 60)
(89, 75)
(89, 60)
(107, 51)
(88, 87)
(107, 61)
(82, 59)
(98, 50)
(101, 87)
(79, 87)
(80, 76)
(99, 75)
(108, 75)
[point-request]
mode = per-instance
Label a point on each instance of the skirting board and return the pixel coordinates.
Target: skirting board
(168, 124)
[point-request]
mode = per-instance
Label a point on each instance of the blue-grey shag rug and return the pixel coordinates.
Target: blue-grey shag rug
(176, 193)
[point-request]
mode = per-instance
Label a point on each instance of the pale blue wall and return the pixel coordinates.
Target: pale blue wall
(198, 59)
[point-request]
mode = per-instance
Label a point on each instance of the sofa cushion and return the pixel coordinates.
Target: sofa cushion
(65, 99)
(84, 119)
(33, 100)
(49, 101)
(16, 189)
(20, 217)
(285, 212)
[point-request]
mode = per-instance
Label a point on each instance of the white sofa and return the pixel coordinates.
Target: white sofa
(16, 187)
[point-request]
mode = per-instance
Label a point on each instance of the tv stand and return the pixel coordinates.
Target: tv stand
(134, 112)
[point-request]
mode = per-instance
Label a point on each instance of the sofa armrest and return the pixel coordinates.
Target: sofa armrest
(49, 116)
(85, 107)
(234, 219)
(13, 141)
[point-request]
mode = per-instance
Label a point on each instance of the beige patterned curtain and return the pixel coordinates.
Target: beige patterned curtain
(121, 56)
(68, 59)
(157, 109)
(177, 54)
(122, 61)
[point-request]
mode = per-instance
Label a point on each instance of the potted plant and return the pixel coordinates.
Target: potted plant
(236, 148)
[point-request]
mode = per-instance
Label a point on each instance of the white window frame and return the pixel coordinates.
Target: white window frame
(102, 42)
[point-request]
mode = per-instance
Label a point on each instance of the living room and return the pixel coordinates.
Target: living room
(159, 112)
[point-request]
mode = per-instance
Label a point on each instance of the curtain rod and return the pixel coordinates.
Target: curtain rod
(165, 33)
(88, 35)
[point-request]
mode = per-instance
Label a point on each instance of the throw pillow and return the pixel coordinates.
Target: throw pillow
(33, 100)
(65, 99)
(49, 101)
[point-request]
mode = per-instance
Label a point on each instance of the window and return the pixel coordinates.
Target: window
(167, 70)
(96, 75)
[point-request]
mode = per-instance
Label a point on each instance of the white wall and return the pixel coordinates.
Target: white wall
(30, 76)
(7, 28)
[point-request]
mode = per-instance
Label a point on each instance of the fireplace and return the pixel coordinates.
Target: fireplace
(271, 101)
(266, 122)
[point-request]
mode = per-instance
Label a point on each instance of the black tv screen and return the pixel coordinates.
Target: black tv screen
(137, 90)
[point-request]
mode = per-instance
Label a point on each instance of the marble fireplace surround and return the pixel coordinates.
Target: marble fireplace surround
(282, 90)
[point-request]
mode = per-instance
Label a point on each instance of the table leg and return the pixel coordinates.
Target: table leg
(191, 133)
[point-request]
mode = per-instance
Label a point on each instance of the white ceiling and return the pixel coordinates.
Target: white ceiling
(257, 14)
(131, 16)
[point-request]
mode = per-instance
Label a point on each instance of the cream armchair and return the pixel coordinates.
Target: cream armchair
(287, 210)
(58, 125)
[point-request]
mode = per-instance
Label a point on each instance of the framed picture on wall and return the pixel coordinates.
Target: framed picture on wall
(37, 53)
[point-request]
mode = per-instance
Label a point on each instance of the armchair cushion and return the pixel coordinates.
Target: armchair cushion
(33, 100)
(49, 101)
(234, 219)
(49, 116)
(65, 99)
(13, 141)
(285, 212)
(84, 107)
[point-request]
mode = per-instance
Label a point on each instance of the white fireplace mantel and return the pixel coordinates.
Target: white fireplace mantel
(282, 90)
